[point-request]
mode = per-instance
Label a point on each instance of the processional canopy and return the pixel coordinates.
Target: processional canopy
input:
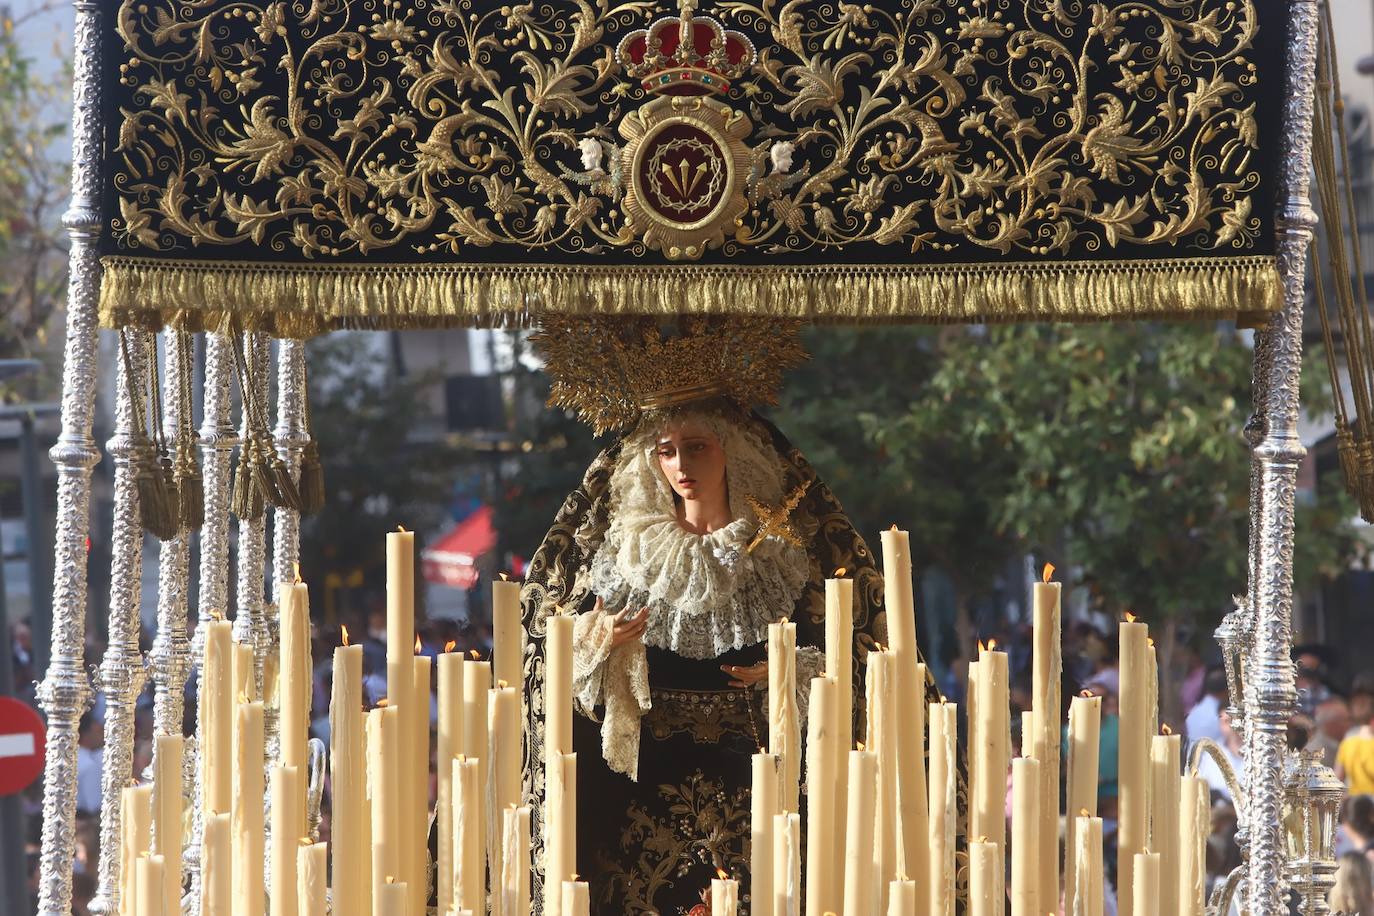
(298, 166)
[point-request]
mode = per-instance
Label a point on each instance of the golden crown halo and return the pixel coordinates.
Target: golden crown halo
(612, 370)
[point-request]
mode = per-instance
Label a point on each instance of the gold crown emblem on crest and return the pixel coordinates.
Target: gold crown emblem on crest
(610, 371)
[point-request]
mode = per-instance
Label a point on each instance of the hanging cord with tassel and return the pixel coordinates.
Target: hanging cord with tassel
(263, 478)
(312, 471)
(186, 467)
(1354, 440)
(155, 504)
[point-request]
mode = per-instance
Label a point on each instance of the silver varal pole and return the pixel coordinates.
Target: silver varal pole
(250, 623)
(217, 441)
(65, 691)
(290, 439)
(1270, 691)
(122, 672)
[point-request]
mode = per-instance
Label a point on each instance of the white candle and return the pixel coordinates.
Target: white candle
(821, 887)
(1145, 882)
(839, 664)
(901, 898)
(241, 670)
(861, 867)
(724, 897)
(1133, 832)
(784, 737)
(763, 808)
(506, 763)
(149, 882)
(448, 747)
(1165, 784)
(295, 683)
(285, 786)
(216, 868)
(559, 818)
(167, 823)
(912, 817)
(418, 742)
(476, 688)
(787, 864)
(1089, 896)
(991, 748)
(348, 783)
(385, 791)
(469, 881)
(400, 684)
(1085, 725)
(576, 899)
(1045, 700)
(310, 871)
(881, 739)
(1025, 827)
(216, 720)
(944, 734)
(515, 871)
(135, 840)
(393, 898)
(249, 789)
(986, 881)
(508, 635)
(1195, 826)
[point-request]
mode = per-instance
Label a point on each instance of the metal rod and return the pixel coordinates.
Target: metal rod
(66, 690)
(170, 657)
(290, 439)
(217, 441)
(122, 673)
(1270, 690)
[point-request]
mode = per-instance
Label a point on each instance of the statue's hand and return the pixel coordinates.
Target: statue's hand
(746, 676)
(626, 626)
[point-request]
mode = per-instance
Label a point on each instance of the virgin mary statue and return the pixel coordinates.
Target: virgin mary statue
(689, 535)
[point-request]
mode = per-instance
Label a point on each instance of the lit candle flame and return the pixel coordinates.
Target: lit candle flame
(475, 654)
(383, 703)
(448, 646)
(894, 527)
(505, 578)
(1151, 641)
(981, 839)
(1086, 693)
(344, 629)
(992, 645)
(418, 647)
(982, 647)
(1046, 573)
(501, 684)
(1130, 618)
(390, 880)
(722, 874)
(860, 745)
(839, 573)
(296, 569)
(1165, 729)
(305, 841)
(402, 530)
(1083, 812)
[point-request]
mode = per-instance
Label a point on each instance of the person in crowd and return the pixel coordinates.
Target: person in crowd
(1332, 723)
(1204, 719)
(1355, 759)
(1230, 744)
(1355, 832)
(1353, 892)
(90, 752)
(1311, 681)
(1361, 699)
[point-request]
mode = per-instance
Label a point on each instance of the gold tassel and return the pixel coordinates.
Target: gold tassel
(247, 497)
(189, 486)
(286, 495)
(312, 479)
(156, 505)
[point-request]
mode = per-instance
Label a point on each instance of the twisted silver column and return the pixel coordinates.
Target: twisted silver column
(65, 691)
(1270, 691)
(217, 442)
(122, 673)
(251, 624)
(170, 658)
(290, 439)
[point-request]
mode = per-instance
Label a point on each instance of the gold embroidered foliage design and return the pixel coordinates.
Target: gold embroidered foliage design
(334, 128)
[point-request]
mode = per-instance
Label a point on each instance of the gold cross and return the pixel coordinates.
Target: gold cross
(777, 521)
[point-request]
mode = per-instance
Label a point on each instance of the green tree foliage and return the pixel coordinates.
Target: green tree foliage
(1116, 449)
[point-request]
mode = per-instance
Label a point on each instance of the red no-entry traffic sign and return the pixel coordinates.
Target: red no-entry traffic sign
(21, 746)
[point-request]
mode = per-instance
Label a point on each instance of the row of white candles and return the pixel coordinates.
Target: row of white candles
(880, 831)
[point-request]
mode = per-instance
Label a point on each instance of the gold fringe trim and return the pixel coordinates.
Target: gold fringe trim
(302, 300)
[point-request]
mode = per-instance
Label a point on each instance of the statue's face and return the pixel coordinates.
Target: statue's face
(691, 457)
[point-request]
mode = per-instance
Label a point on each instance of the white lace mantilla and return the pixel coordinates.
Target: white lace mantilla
(706, 594)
